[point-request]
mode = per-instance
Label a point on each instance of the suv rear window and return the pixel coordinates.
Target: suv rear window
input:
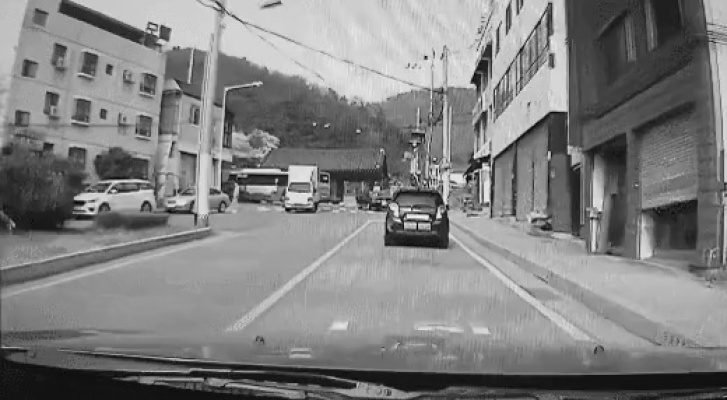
(411, 198)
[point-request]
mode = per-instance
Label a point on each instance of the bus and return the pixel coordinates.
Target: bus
(261, 184)
(324, 185)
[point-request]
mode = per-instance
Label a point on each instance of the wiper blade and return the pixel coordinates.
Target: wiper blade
(291, 385)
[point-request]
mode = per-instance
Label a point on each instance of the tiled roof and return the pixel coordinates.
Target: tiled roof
(330, 160)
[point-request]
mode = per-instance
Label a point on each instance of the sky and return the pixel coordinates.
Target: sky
(385, 35)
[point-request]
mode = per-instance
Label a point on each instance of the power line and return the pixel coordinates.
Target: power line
(313, 49)
(271, 44)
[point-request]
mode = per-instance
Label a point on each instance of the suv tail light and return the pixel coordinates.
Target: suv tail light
(440, 211)
(394, 209)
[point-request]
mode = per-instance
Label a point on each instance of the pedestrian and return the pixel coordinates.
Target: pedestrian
(235, 196)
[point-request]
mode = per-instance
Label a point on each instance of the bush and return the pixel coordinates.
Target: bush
(37, 191)
(131, 221)
(115, 163)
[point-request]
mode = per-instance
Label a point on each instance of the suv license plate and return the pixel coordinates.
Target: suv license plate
(425, 226)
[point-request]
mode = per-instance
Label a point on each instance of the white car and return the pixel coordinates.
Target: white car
(115, 195)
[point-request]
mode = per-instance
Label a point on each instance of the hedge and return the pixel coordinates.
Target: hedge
(131, 220)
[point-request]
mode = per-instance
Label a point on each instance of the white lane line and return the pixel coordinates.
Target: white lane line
(65, 278)
(339, 326)
(557, 319)
(265, 305)
(480, 330)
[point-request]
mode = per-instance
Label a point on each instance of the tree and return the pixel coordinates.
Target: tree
(115, 163)
(255, 145)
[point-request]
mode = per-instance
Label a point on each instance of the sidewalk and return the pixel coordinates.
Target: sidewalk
(666, 307)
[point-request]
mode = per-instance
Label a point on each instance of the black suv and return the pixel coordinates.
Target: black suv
(418, 214)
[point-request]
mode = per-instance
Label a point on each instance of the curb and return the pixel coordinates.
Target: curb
(56, 265)
(635, 323)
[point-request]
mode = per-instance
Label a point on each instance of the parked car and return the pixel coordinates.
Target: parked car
(380, 199)
(184, 201)
(417, 214)
(114, 195)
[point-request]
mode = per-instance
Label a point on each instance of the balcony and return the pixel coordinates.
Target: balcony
(480, 107)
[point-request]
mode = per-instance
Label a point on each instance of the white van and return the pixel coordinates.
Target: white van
(115, 195)
(302, 192)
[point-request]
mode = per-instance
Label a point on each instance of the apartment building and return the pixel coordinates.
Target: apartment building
(646, 87)
(520, 118)
(179, 136)
(84, 82)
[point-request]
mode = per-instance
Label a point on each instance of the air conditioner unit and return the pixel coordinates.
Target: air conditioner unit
(123, 119)
(128, 76)
(53, 112)
(60, 63)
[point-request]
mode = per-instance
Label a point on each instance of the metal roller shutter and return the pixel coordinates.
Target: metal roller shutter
(532, 172)
(504, 182)
(668, 162)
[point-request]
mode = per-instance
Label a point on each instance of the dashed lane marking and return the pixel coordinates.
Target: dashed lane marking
(339, 326)
(265, 305)
(557, 319)
(480, 330)
(125, 262)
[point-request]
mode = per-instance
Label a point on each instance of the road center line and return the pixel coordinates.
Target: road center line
(90, 270)
(265, 305)
(557, 319)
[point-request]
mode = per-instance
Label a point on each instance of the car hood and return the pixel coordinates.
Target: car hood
(441, 352)
(86, 196)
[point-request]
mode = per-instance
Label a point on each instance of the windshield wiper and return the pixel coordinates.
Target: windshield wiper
(290, 385)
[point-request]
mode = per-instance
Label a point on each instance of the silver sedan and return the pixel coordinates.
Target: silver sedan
(184, 201)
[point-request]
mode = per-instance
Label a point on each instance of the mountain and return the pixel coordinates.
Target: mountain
(402, 111)
(299, 113)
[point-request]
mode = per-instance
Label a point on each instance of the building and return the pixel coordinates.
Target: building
(646, 86)
(345, 165)
(179, 137)
(84, 82)
(520, 117)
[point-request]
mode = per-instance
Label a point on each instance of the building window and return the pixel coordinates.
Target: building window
(109, 69)
(77, 155)
(617, 47)
(148, 84)
(89, 63)
(59, 53)
(227, 136)
(82, 111)
(48, 148)
(22, 118)
(663, 21)
(30, 69)
(194, 115)
(508, 18)
(40, 17)
(140, 168)
(497, 39)
(51, 100)
(103, 113)
(144, 125)
(518, 5)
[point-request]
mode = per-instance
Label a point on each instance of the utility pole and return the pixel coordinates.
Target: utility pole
(204, 156)
(446, 130)
(431, 119)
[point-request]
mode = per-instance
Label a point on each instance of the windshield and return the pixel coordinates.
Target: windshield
(416, 199)
(469, 185)
(299, 187)
(98, 188)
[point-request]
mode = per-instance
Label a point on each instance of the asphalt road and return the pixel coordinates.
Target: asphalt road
(269, 273)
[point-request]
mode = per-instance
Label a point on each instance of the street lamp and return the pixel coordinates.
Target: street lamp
(204, 153)
(222, 128)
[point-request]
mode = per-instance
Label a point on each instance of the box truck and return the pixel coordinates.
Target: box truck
(303, 191)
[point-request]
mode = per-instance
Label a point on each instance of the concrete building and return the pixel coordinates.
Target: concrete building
(84, 82)
(179, 137)
(520, 118)
(646, 86)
